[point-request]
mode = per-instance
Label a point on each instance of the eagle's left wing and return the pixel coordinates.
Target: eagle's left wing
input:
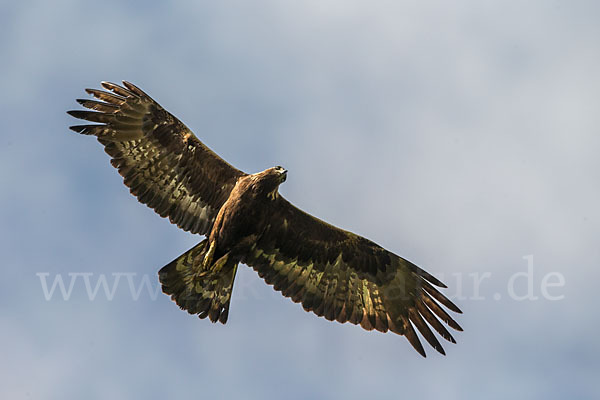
(162, 162)
(345, 277)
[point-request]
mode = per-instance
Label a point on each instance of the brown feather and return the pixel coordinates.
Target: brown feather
(105, 96)
(98, 105)
(411, 335)
(434, 322)
(420, 324)
(121, 91)
(443, 315)
(441, 298)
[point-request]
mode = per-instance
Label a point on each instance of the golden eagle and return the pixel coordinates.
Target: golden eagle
(332, 272)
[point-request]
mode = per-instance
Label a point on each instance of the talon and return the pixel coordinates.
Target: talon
(220, 263)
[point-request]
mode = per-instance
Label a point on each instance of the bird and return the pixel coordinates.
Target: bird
(244, 219)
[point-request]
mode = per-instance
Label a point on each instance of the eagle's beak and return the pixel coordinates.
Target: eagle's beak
(284, 175)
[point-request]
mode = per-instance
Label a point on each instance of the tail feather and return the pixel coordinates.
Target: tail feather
(198, 291)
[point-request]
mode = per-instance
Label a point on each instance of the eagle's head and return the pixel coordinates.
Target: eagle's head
(280, 173)
(268, 181)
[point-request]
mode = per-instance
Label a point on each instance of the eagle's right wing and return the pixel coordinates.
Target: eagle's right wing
(344, 277)
(165, 166)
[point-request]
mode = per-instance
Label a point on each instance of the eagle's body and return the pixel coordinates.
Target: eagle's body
(242, 217)
(334, 273)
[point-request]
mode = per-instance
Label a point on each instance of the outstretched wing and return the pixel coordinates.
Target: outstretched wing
(345, 277)
(165, 166)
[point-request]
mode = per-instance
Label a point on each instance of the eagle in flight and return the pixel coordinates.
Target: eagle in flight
(334, 273)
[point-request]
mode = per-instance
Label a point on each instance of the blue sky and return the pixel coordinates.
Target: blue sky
(461, 135)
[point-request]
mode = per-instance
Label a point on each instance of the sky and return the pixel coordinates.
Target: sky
(461, 135)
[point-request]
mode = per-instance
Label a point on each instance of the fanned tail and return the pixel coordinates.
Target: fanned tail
(199, 290)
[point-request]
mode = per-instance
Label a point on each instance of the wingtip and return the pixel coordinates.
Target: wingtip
(435, 281)
(411, 336)
(425, 275)
(453, 307)
(109, 85)
(133, 88)
(106, 84)
(128, 84)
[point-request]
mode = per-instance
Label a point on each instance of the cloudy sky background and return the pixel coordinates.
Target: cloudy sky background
(461, 135)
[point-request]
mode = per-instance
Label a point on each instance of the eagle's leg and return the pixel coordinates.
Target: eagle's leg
(220, 263)
(208, 257)
(207, 262)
